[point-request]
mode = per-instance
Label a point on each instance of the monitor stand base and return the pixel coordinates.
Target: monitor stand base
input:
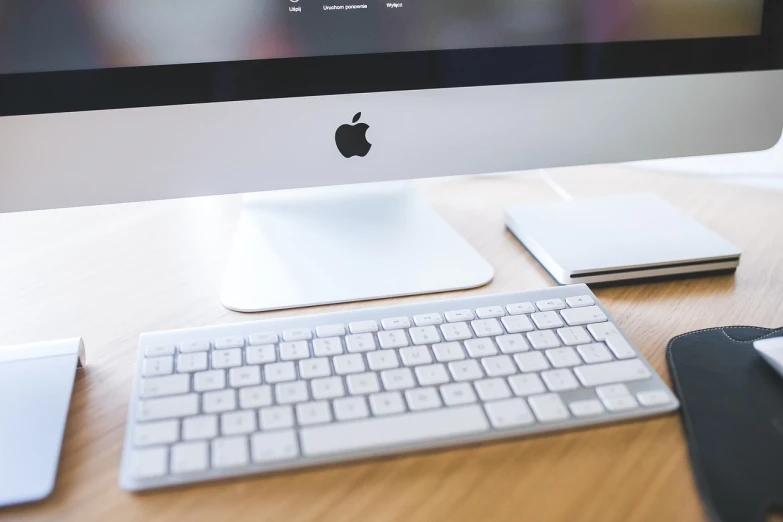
(329, 245)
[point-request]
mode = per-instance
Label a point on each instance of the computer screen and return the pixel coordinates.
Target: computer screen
(57, 35)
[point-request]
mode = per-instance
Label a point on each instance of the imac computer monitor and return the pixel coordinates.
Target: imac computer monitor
(108, 101)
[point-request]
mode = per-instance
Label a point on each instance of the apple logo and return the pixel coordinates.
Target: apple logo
(352, 140)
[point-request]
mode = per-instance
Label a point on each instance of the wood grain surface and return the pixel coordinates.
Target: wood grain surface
(109, 273)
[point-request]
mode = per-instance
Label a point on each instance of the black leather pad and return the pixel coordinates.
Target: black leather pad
(732, 409)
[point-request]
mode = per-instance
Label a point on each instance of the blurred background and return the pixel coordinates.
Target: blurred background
(46, 35)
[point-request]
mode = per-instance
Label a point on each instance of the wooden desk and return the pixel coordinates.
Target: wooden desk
(107, 274)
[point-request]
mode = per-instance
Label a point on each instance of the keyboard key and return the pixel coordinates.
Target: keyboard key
(543, 339)
(258, 339)
(478, 348)
(209, 380)
(490, 311)
(616, 404)
(219, 401)
(509, 413)
(458, 393)
(363, 383)
(273, 447)
(158, 366)
(229, 452)
(601, 331)
(468, 370)
(397, 379)
(594, 353)
(387, 403)
(327, 388)
(422, 399)
(384, 360)
(456, 331)
(238, 422)
(550, 304)
(498, 366)
(546, 320)
(392, 339)
(431, 374)
(279, 372)
(586, 315)
(361, 327)
(586, 408)
(299, 334)
(491, 389)
(192, 362)
(620, 347)
(331, 330)
(383, 432)
(229, 342)
(309, 413)
(201, 427)
(263, 354)
(148, 463)
(396, 323)
(526, 384)
(447, 352)
(350, 363)
(350, 408)
(195, 346)
(291, 392)
(415, 355)
(157, 351)
(579, 301)
(459, 315)
(654, 398)
(276, 417)
(154, 433)
(166, 385)
(548, 407)
(424, 335)
(531, 361)
(612, 372)
(244, 376)
(357, 343)
(521, 308)
(189, 457)
(563, 357)
(227, 358)
(612, 391)
(255, 397)
(487, 327)
(574, 335)
(317, 367)
(512, 343)
(517, 323)
(294, 351)
(327, 347)
(559, 380)
(168, 407)
(427, 319)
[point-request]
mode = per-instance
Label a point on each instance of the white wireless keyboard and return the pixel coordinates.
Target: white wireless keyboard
(240, 399)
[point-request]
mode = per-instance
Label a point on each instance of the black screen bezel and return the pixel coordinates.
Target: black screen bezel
(101, 89)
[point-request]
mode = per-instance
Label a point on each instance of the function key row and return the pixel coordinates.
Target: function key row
(542, 313)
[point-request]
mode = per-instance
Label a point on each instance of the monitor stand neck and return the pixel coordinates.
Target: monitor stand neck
(310, 247)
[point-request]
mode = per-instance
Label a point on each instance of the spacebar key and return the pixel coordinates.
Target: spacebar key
(392, 431)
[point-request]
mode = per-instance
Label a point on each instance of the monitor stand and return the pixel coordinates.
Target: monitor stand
(310, 247)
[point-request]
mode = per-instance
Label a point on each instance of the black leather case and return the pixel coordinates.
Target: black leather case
(732, 409)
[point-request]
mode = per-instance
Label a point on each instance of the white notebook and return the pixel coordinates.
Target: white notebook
(36, 381)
